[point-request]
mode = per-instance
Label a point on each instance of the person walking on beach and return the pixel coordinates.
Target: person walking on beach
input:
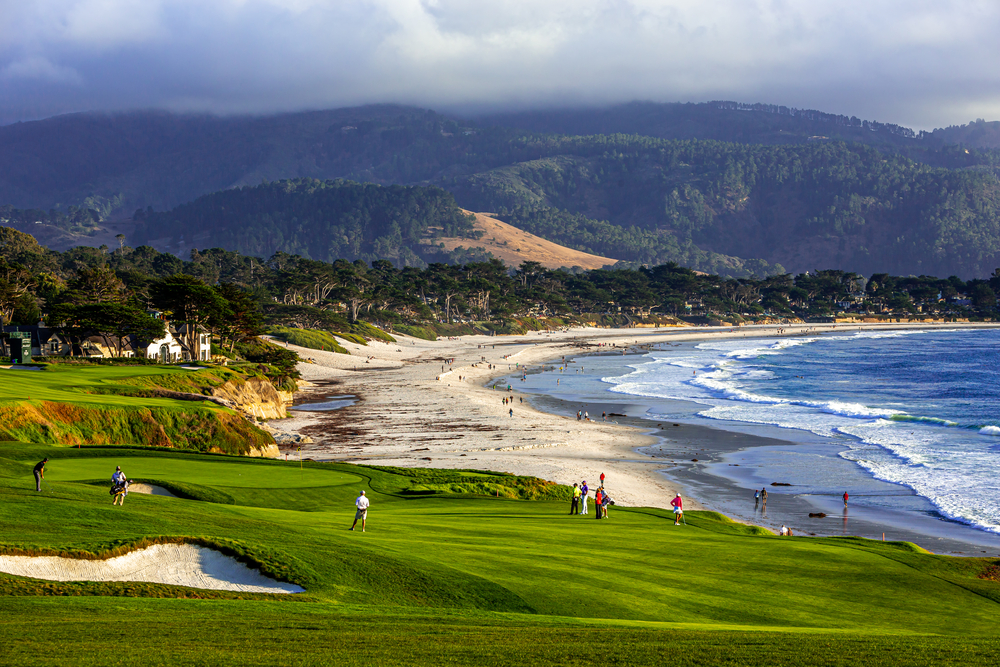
(845, 498)
(602, 480)
(575, 507)
(756, 499)
(362, 504)
(763, 499)
(678, 506)
(512, 412)
(583, 497)
(39, 472)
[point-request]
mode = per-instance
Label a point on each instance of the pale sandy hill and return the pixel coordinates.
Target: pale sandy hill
(514, 246)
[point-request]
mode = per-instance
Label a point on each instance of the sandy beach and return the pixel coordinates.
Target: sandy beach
(422, 403)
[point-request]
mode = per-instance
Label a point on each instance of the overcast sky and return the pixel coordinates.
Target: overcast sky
(918, 63)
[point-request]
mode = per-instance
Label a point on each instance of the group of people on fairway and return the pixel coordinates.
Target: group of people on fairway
(602, 500)
(581, 493)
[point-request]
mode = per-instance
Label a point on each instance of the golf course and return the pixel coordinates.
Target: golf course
(446, 576)
(456, 567)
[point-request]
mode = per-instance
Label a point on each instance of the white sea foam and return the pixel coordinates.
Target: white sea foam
(936, 457)
(958, 479)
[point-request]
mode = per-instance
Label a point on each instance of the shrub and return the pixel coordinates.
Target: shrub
(416, 332)
(314, 339)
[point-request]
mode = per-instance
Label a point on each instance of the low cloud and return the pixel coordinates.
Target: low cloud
(37, 68)
(922, 64)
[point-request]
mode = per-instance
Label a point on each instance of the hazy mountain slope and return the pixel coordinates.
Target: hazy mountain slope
(322, 220)
(978, 134)
(721, 121)
(162, 160)
(733, 208)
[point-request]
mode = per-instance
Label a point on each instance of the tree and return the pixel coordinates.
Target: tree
(14, 284)
(240, 319)
(188, 300)
(96, 285)
(983, 297)
(118, 320)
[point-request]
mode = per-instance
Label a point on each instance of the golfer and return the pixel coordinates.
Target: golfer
(584, 490)
(574, 508)
(362, 504)
(39, 471)
(678, 506)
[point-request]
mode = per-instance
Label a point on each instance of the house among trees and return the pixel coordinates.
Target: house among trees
(169, 348)
(195, 341)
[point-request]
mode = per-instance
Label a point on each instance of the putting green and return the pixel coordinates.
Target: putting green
(221, 473)
(89, 386)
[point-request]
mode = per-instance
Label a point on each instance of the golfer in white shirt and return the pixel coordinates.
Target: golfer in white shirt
(362, 504)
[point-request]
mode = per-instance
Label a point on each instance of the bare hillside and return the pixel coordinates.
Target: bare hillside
(514, 246)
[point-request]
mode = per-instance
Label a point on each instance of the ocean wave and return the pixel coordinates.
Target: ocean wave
(956, 478)
(934, 421)
(771, 347)
(953, 463)
(716, 383)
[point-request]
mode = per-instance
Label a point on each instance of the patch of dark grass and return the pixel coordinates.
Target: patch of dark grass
(416, 331)
(424, 481)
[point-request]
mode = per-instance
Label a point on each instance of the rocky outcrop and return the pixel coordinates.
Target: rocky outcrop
(286, 437)
(264, 451)
(254, 396)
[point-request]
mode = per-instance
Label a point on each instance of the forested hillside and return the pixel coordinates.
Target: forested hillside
(978, 134)
(324, 220)
(86, 290)
(773, 197)
(800, 206)
(718, 120)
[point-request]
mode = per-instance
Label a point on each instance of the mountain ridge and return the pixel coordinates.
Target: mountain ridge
(725, 207)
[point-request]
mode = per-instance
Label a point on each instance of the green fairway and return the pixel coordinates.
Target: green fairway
(83, 385)
(107, 404)
(454, 578)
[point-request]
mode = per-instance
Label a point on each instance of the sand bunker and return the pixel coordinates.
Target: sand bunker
(172, 564)
(149, 489)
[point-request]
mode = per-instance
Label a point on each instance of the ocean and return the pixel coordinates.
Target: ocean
(917, 409)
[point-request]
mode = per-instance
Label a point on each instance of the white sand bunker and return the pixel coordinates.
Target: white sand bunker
(149, 489)
(172, 564)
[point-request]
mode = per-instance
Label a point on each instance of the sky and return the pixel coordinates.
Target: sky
(916, 63)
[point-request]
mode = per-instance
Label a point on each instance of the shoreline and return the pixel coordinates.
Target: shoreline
(422, 403)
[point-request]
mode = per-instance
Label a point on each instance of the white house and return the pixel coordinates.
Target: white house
(166, 348)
